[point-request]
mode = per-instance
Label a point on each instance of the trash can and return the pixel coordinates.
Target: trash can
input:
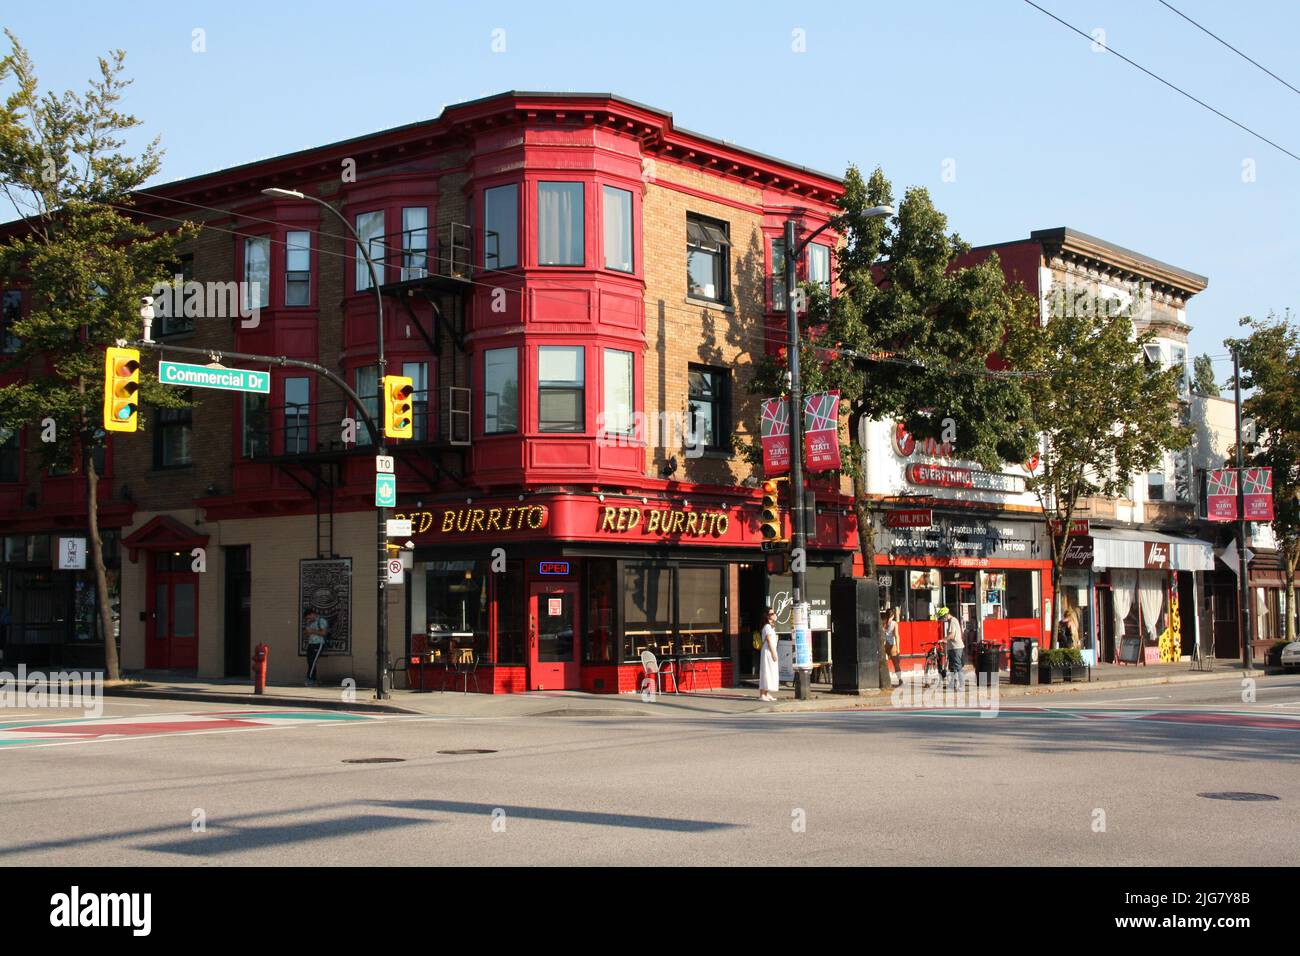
(1024, 655)
(988, 658)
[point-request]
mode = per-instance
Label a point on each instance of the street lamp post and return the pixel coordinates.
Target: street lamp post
(1243, 566)
(794, 248)
(382, 682)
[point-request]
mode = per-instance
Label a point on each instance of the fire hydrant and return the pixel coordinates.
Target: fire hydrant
(260, 655)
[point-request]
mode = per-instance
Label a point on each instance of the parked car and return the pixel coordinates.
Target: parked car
(1291, 656)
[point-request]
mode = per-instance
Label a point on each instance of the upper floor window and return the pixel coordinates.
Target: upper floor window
(501, 227)
(11, 310)
(172, 437)
(500, 391)
(170, 309)
(370, 229)
(297, 268)
(415, 242)
(618, 229)
(418, 373)
(707, 245)
(1156, 486)
(618, 393)
(560, 388)
(779, 293)
(297, 415)
(819, 265)
(9, 456)
(256, 439)
(559, 224)
(257, 273)
(710, 423)
(1178, 360)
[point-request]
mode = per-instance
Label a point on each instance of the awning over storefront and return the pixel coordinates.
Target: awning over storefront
(1122, 548)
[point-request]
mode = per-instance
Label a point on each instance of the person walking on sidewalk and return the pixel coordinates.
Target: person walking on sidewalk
(889, 637)
(768, 676)
(950, 629)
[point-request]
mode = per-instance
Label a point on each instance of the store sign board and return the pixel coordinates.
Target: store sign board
(72, 554)
(1079, 552)
(946, 476)
(468, 520)
(1155, 555)
(1078, 527)
(909, 518)
(970, 541)
(665, 521)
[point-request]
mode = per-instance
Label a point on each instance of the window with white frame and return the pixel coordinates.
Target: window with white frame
(618, 410)
(560, 388)
(618, 229)
(707, 248)
(819, 265)
(257, 273)
(779, 293)
(370, 230)
(415, 242)
(297, 268)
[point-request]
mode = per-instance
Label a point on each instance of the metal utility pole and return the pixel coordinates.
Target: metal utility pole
(794, 248)
(382, 679)
(1243, 566)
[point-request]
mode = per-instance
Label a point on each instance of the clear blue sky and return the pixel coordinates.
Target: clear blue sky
(1044, 132)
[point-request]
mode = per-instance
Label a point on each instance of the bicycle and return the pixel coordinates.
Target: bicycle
(936, 663)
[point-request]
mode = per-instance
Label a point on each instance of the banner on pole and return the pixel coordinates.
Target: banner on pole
(1221, 495)
(774, 431)
(821, 430)
(1258, 499)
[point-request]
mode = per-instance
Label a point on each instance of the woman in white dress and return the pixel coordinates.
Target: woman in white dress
(767, 671)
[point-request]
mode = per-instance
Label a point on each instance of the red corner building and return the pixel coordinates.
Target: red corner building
(578, 289)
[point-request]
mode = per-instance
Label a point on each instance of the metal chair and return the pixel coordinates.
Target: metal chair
(652, 666)
(689, 670)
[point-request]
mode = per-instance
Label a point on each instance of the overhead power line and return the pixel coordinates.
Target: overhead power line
(1220, 39)
(1177, 89)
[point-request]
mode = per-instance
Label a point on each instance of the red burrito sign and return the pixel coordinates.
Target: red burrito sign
(821, 430)
(775, 433)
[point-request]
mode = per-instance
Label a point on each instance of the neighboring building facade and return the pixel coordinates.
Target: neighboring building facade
(578, 290)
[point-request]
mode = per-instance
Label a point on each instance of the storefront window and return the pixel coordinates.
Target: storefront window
(601, 645)
(893, 591)
(647, 610)
(510, 614)
(700, 629)
(923, 594)
(455, 604)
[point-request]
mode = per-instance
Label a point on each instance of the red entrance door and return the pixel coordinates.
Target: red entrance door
(172, 619)
(553, 637)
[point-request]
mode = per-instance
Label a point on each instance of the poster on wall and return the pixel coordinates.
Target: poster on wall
(325, 604)
(774, 430)
(821, 430)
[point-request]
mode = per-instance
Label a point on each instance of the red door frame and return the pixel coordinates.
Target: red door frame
(552, 675)
(170, 652)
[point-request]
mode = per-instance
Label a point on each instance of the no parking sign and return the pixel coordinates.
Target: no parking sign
(395, 569)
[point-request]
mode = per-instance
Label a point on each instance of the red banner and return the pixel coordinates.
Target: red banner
(774, 432)
(910, 518)
(1078, 527)
(1221, 495)
(821, 430)
(1257, 483)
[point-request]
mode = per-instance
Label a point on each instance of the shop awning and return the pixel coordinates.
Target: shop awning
(1122, 548)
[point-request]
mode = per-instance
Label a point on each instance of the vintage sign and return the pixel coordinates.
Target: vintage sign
(1221, 495)
(1079, 552)
(665, 521)
(1155, 555)
(1257, 485)
(821, 430)
(464, 520)
(909, 518)
(774, 432)
(325, 604)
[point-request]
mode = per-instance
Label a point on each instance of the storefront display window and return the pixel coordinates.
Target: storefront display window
(673, 611)
(699, 611)
(455, 603)
(601, 645)
(510, 600)
(647, 610)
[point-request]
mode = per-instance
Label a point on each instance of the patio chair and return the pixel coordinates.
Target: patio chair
(651, 666)
(690, 669)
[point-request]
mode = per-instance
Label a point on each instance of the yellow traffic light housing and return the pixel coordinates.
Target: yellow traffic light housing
(121, 383)
(398, 415)
(771, 517)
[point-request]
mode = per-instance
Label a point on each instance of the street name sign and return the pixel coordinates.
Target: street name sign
(214, 376)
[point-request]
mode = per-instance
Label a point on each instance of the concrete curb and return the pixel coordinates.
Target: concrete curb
(269, 700)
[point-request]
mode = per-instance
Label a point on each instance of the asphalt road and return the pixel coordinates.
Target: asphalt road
(1108, 777)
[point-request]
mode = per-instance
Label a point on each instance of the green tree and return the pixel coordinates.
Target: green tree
(1270, 371)
(908, 337)
(1203, 382)
(1104, 413)
(84, 263)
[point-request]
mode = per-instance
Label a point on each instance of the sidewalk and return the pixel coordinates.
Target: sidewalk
(728, 700)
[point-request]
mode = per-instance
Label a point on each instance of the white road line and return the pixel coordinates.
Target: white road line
(1127, 700)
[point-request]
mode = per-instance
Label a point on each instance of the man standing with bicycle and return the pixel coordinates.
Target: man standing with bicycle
(950, 630)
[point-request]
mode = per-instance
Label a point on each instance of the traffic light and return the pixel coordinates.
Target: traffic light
(121, 382)
(771, 520)
(398, 418)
